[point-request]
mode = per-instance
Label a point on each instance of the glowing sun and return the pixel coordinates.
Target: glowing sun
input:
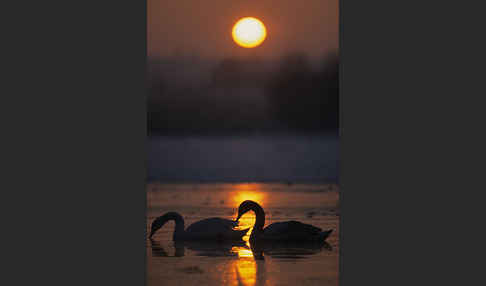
(249, 32)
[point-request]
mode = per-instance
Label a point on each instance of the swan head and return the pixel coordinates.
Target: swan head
(245, 207)
(161, 220)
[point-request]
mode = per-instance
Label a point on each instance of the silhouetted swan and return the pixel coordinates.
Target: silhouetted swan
(215, 229)
(280, 231)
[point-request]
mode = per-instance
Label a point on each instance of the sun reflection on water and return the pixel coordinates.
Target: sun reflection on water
(242, 252)
(246, 272)
(246, 266)
(241, 193)
(251, 191)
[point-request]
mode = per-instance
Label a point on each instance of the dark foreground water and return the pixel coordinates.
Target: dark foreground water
(216, 264)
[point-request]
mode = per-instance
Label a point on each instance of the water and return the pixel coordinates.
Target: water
(311, 158)
(213, 264)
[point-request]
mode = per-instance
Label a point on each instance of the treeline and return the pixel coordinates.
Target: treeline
(293, 94)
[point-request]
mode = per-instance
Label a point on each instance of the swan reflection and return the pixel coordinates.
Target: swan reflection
(243, 249)
(290, 249)
(245, 264)
(157, 249)
(201, 248)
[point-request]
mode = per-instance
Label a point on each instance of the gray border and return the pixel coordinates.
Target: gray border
(77, 152)
(76, 160)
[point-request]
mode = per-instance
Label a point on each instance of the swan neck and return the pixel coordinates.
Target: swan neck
(260, 218)
(179, 226)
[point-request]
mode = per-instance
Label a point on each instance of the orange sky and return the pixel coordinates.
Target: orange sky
(203, 27)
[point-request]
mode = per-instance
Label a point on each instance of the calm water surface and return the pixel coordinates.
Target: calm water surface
(216, 264)
(244, 158)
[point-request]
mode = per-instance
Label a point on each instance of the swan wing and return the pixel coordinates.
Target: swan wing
(291, 229)
(212, 225)
(217, 229)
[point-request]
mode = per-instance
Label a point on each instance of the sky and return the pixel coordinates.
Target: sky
(288, 83)
(202, 28)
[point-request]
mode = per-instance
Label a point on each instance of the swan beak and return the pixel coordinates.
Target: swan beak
(239, 215)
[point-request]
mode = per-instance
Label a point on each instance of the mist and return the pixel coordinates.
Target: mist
(191, 95)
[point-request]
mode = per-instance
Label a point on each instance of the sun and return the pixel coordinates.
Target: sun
(249, 32)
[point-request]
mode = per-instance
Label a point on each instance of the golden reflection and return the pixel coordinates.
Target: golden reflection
(252, 191)
(242, 252)
(246, 272)
(247, 221)
(241, 193)
(246, 267)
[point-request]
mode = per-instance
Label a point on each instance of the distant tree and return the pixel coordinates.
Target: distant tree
(302, 98)
(227, 73)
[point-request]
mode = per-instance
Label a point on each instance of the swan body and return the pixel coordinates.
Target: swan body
(213, 229)
(294, 231)
(290, 231)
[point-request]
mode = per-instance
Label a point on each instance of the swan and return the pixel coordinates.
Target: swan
(216, 229)
(280, 231)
